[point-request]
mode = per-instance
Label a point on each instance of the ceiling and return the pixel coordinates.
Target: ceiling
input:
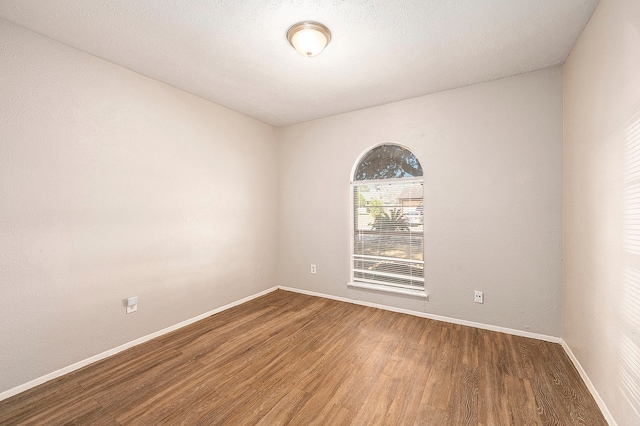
(235, 52)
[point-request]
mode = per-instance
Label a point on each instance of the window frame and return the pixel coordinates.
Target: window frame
(353, 282)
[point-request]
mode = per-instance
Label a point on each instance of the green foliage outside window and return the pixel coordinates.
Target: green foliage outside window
(392, 221)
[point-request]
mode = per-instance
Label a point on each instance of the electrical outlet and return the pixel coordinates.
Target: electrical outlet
(478, 297)
(132, 304)
(313, 268)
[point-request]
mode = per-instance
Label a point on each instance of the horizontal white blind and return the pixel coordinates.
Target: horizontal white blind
(388, 225)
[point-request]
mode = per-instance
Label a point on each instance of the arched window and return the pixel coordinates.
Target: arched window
(388, 221)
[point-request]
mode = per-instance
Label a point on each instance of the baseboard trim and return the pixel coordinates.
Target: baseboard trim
(40, 380)
(489, 327)
(603, 407)
(61, 372)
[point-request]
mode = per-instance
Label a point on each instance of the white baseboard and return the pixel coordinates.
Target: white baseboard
(603, 407)
(490, 327)
(33, 383)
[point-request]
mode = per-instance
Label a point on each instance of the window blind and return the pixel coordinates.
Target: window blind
(388, 224)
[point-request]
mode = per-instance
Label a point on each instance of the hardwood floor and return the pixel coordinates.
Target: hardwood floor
(287, 358)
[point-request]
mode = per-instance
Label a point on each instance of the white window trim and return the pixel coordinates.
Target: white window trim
(422, 293)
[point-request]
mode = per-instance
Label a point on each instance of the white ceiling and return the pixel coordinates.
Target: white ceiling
(235, 53)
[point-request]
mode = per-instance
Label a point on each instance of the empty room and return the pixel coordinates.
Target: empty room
(351, 212)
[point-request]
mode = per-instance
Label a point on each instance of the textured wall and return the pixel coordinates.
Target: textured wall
(602, 205)
(492, 159)
(114, 185)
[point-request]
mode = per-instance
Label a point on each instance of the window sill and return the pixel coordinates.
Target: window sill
(389, 289)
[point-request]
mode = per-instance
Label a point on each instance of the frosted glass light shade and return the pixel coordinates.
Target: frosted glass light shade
(309, 38)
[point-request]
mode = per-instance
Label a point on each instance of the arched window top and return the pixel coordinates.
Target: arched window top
(388, 161)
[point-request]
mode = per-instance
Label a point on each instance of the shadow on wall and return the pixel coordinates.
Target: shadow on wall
(629, 347)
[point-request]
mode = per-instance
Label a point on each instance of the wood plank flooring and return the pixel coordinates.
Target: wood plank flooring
(287, 358)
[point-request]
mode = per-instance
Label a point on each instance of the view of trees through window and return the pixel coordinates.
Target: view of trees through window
(388, 219)
(388, 162)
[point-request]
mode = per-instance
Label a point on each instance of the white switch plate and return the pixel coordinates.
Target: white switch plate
(478, 297)
(313, 268)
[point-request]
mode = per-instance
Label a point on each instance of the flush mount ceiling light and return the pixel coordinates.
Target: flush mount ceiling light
(309, 38)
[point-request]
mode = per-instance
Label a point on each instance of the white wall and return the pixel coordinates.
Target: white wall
(114, 185)
(492, 159)
(602, 205)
